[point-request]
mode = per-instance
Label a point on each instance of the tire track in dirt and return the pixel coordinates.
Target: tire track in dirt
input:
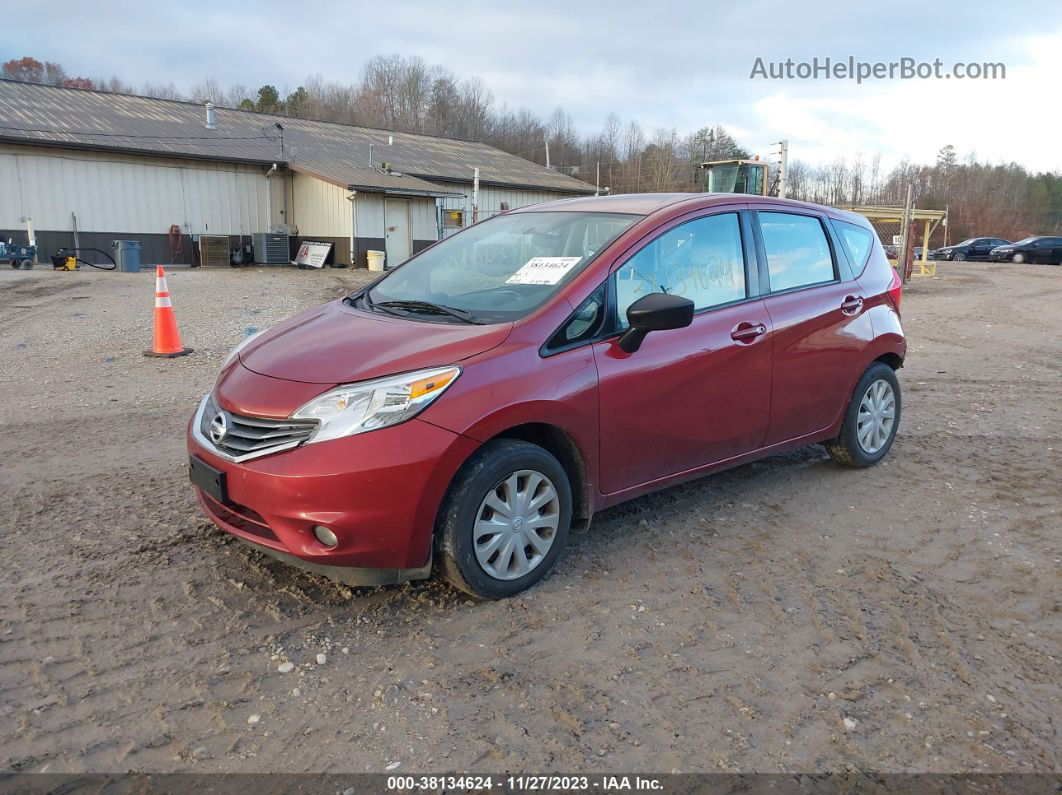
(701, 628)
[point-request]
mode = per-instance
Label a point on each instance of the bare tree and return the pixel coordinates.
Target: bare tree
(163, 91)
(400, 93)
(208, 91)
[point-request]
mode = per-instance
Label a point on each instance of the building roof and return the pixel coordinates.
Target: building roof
(649, 203)
(633, 203)
(337, 153)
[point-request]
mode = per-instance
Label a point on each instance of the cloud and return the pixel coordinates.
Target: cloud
(668, 64)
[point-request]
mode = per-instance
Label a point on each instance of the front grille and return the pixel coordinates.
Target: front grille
(250, 437)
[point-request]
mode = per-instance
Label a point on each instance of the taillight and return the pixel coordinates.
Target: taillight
(895, 290)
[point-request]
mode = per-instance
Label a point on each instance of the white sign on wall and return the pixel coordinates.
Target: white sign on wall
(313, 253)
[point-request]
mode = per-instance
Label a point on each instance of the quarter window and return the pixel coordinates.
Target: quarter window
(583, 324)
(797, 251)
(702, 260)
(856, 241)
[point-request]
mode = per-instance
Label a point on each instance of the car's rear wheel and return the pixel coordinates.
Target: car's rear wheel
(505, 520)
(1018, 258)
(959, 256)
(871, 419)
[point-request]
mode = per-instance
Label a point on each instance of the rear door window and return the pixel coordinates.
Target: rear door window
(798, 253)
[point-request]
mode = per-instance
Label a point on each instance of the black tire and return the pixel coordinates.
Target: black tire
(1018, 258)
(482, 473)
(959, 256)
(846, 449)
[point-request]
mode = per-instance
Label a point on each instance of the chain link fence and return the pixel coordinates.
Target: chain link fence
(890, 233)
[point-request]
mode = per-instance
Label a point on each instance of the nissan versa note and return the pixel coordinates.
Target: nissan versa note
(473, 405)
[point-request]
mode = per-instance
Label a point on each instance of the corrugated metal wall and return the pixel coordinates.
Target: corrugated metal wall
(319, 208)
(121, 194)
(491, 198)
(371, 216)
(129, 194)
(422, 219)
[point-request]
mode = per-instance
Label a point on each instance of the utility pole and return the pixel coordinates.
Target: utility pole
(475, 195)
(905, 239)
(280, 127)
(783, 168)
(597, 180)
(547, 153)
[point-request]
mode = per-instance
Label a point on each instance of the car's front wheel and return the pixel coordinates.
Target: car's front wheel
(959, 256)
(1018, 258)
(505, 519)
(871, 419)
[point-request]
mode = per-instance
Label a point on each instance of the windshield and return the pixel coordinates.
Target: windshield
(1024, 242)
(969, 242)
(498, 270)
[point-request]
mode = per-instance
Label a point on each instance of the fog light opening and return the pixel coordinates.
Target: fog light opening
(325, 536)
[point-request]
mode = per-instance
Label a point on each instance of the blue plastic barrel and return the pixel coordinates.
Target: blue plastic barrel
(127, 254)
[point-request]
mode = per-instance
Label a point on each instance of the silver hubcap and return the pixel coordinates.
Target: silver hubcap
(516, 525)
(877, 413)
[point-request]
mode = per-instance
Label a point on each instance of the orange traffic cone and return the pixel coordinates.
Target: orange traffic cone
(167, 339)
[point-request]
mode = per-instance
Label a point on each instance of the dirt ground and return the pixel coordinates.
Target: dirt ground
(788, 615)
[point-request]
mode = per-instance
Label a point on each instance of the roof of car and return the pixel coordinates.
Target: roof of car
(648, 203)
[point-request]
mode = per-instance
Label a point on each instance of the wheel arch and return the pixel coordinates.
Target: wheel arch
(560, 444)
(892, 359)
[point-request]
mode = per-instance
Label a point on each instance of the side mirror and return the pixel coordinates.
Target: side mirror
(654, 312)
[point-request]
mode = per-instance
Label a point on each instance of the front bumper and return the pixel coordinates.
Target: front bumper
(379, 492)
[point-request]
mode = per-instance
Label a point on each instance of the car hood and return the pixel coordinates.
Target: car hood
(336, 344)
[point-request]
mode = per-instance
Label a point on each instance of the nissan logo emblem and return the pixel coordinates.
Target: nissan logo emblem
(219, 427)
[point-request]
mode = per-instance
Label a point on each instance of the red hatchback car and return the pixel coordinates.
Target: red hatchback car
(470, 407)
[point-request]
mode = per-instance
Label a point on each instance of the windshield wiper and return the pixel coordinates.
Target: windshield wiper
(428, 308)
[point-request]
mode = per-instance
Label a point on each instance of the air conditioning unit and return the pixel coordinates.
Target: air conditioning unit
(271, 249)
(214, 251)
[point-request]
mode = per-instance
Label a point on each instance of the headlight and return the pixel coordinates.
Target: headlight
(239, 347)
(357, 408)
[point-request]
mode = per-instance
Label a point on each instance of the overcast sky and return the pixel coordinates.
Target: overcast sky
(667, 64)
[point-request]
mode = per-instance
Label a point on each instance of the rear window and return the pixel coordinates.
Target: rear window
(798, 253)
(856, 242)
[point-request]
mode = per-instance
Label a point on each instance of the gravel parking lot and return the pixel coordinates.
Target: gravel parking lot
(788, 615)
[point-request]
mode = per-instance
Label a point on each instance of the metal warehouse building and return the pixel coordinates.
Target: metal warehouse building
(98, 167)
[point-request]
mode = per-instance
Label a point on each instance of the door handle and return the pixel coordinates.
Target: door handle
(747, 332)
(852, 304)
